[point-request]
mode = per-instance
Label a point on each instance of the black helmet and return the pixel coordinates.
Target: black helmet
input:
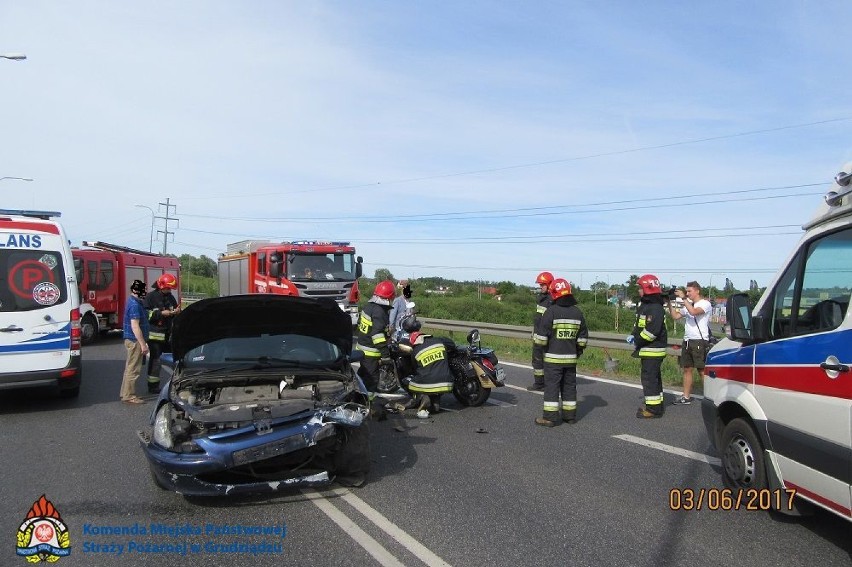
(410, 324)
(138, 287)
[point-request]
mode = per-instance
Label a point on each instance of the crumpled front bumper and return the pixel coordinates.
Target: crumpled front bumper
(190, 473)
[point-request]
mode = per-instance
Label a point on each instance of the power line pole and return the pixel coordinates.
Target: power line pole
(166, 232)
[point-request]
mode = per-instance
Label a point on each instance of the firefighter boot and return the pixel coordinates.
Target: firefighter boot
(153, 384)
(569, 416)
(649, 412)
(545, 422)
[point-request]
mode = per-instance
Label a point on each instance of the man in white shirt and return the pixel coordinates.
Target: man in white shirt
(696, 315)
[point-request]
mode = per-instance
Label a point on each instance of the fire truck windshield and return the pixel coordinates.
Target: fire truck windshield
(321, 267)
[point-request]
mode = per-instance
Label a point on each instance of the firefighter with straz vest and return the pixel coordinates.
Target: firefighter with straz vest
(543, 301)
(163, 307)
(432, 375)
(650, 340)
(562, 334)
(373, 333)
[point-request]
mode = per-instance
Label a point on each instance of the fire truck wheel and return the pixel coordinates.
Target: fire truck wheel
(89, 329)
(742, 456)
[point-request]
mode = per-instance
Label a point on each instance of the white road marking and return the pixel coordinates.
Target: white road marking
(362, 538)
(415, 547)
(670, 449)
(594, 379)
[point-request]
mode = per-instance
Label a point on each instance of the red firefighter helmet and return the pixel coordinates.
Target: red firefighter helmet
(167, 281)
(544, 278)
(385, 290)
(559, 288)
(649, 283)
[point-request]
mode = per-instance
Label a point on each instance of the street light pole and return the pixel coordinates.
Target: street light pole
(13, 56)
(151, 239)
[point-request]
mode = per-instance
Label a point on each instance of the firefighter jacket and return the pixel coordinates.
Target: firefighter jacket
(542, 303)
(649, 334)
(373, 330)
(562, 332)
(432, 373)
(156, 302)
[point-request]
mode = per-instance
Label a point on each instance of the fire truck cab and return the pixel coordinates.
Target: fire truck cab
(104, 275)
(304, 268)
(778, 388)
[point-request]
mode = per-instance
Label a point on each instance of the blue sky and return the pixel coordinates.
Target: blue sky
(475, 140)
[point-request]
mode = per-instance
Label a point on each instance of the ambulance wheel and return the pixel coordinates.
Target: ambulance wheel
(743, 466)
(89, 331)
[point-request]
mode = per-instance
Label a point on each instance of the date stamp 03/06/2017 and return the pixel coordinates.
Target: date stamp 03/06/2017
(689, 499)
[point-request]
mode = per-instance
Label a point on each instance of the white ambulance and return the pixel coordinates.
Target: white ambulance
(778, 388)
(39, 304)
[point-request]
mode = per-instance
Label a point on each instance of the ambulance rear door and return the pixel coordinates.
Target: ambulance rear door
(37, 296)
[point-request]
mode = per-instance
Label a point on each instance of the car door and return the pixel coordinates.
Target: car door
(802, 373)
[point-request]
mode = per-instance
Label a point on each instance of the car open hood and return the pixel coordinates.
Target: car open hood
(252, 315)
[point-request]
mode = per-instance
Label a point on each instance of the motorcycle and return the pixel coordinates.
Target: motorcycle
(476, 370)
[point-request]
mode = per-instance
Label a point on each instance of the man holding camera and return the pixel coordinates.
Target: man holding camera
(696, 334)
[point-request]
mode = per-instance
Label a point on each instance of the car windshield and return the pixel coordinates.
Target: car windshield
(273, 350)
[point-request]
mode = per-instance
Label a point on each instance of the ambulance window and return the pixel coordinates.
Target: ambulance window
(782, 303)
(825, 284)
(31, 279)
(820, 302)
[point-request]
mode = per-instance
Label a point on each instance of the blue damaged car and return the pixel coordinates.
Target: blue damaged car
(263, 397)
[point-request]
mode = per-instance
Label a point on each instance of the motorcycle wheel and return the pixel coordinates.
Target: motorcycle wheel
(387, 379)
(467, 390)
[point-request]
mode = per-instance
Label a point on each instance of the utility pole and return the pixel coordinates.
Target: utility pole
(166, 232)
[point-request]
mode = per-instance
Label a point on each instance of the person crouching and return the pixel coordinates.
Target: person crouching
(432, 375)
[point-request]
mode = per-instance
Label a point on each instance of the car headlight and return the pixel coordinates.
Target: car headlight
(162, 433)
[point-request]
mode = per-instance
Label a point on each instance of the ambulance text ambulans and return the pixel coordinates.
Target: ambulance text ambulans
(778, 388)
(39, 304)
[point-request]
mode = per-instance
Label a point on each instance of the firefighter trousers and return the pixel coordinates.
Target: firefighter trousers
(369, 373)
(154, 364)
(538, 364)
(560, 382)
(652, 384)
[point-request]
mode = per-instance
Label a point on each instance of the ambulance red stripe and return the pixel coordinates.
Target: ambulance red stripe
(803, 379)
(34, 226)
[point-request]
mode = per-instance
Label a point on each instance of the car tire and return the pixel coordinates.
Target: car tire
(89, 331)
(68, 393)
(743, 465)
(352, 461)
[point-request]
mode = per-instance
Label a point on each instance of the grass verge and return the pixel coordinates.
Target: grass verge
(592, 363)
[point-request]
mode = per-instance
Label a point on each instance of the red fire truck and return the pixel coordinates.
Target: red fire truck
(306, 268)
(104, 274)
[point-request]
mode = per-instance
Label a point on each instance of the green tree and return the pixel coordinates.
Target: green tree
(383, 274)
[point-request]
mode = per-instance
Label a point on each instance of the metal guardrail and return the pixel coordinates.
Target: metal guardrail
(613, 341)
(192, 297)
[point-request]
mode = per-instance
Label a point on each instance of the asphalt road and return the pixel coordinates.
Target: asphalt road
(474, 486)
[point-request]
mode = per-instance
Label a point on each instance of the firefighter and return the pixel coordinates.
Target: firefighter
(162, 307)
(650, 340)
(562, 335)
(432, 375)
(543, 301)
(373, 333)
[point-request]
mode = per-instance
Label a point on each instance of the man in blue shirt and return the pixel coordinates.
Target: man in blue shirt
(135, 341)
